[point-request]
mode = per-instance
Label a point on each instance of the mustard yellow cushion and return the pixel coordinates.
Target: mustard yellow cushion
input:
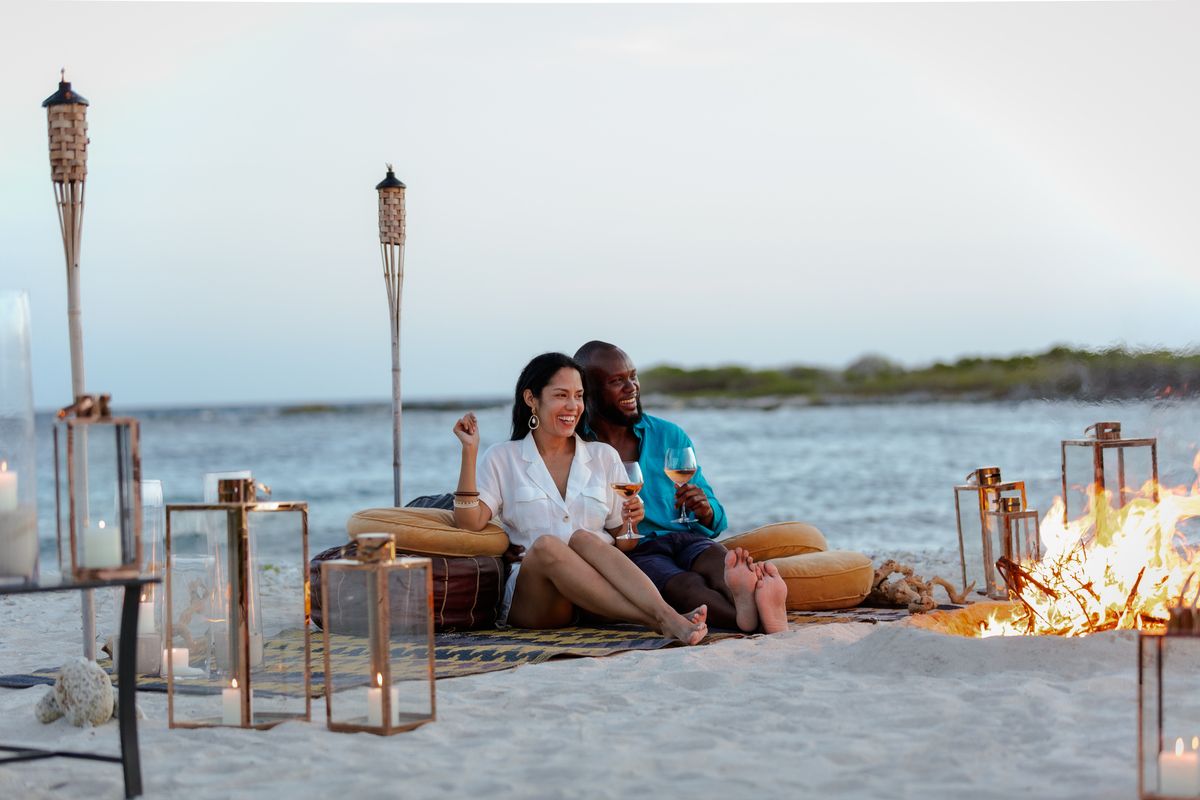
(779, 539)
(429, 531)
(824, 581)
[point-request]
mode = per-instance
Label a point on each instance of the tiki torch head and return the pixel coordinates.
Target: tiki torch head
(391, 209)
(66, 112)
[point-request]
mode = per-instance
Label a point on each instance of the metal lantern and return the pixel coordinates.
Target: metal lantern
(150, 609)
(1012, 531)
(1169, 709)
(235, 655)
(973, 501)
(1108, 456)
(379, 651)
(18, 446)
(97, 485)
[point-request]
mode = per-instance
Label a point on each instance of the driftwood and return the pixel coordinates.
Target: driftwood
(910, 590)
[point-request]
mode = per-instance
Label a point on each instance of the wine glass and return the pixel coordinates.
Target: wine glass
(680, 466)
(628, 489)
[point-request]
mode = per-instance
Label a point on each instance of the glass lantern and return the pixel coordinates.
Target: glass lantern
(150, 611)
(378, 634)
(18, 474)
(1111, 463)
(1012, 532)
(973, 500)
(98, 487)
(236, 648)
(1169, 709)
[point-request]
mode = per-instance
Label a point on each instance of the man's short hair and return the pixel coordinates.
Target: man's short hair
(590, 350)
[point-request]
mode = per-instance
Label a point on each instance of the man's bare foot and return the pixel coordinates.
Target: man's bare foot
(742, 580)
(688, 628)
(771, 598)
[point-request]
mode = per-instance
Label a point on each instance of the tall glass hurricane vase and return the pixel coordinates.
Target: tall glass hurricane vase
(18, 484)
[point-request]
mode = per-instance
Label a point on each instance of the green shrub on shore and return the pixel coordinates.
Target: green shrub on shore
(1058, 373)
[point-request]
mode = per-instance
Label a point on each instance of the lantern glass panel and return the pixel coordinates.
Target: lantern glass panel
(1012, 534)
(379, 626)
(1120, 470)
(972, 504)
(238, 603)
(99, 496)
(1169, 715)
(18, 474)
(151, 608)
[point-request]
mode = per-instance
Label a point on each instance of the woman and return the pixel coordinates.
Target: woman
(551, 492)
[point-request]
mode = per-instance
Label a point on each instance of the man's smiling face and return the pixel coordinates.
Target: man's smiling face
(615, 384)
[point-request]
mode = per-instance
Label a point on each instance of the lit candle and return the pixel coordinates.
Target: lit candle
(375, 703)
(231, 704)
(179, 659)
(1179, 772)
(102, 546)
(8, 488)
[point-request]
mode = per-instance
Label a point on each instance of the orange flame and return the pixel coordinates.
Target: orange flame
(1112, 568)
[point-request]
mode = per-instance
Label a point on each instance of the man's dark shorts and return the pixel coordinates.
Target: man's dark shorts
(664, 557)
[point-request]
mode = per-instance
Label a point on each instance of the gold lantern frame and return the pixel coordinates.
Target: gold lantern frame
(376, 555)
(1107, 436)
(76, 426)
(1016, 532)
(238, 498)
(988, 487)
(1181, 634)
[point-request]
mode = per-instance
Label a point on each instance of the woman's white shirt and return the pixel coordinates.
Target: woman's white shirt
(515, 484)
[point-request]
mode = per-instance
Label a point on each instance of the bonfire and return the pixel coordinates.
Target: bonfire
(1118, 566)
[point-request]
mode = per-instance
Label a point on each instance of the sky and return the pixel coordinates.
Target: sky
(700, 184)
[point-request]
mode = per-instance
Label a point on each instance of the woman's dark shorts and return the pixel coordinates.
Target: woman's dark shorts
(663, 557)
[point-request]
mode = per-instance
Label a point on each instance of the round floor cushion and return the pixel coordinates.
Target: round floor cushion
(428, 532)
(779, 539)
(825, 581)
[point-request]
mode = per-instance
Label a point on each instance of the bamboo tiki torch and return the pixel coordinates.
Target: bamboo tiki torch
(66, 113)
(391, 244)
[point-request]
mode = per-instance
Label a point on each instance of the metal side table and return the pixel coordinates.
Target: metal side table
(129, 759)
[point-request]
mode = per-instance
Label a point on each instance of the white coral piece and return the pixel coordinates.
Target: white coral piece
(82, 693)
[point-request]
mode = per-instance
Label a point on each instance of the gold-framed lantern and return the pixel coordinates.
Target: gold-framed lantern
(1012, 532)
(1169, 709)
(973, 501)
(236, 650)
(98, 491)
(386, 604)
(1108, 455)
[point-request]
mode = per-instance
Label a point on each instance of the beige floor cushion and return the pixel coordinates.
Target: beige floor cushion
(824, 581)
(429, 531)
(779, 539)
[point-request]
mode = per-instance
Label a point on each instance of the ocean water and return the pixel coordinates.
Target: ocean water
(872, 477)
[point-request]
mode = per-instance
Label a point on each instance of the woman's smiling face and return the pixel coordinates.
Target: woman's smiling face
(560, 403)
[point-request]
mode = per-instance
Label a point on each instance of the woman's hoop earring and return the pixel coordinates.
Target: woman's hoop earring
(534, 422)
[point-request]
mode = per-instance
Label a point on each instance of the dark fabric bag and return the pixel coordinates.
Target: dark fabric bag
(466, 589)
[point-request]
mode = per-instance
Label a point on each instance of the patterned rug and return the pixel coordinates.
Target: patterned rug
(456, 654)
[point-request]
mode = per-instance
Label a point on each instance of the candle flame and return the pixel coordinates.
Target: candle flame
(3, 466)
(1179, 747)
(233, 685)
(1196, 742)
(379, 679)
(102, 524)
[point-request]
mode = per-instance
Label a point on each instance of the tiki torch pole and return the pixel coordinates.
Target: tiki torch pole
(391, 244)
(66, 112)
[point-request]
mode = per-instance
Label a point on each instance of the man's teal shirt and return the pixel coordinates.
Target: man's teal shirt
(658, 493)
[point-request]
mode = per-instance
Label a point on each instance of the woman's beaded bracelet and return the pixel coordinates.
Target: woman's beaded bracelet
(466, 494)
(466, 503)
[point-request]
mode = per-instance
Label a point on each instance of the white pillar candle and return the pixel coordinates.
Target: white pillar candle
(180, 657)
(231, 704)
(375, 703)
(146, 617)
(102, 546)
(8, 488)
(1179, 772)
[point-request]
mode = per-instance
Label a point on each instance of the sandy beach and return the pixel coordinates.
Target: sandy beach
(840, 710)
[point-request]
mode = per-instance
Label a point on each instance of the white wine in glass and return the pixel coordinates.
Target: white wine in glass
(628, 489)
(680, 466)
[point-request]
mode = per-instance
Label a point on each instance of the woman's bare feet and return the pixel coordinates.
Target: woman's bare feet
(770, 596)
(689, 628)
(741, 579)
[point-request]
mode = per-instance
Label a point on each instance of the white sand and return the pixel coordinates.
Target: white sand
(844, 710)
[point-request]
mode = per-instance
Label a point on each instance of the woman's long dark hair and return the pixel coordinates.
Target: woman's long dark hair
(534, 377)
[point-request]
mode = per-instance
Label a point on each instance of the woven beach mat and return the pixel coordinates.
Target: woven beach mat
(456, 654)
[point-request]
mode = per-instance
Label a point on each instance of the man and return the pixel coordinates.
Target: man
(682, 560)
